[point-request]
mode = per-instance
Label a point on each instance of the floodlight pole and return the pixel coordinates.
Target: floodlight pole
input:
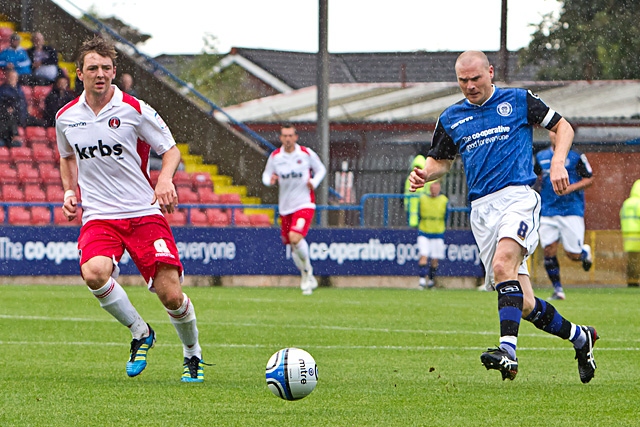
(322, 83)
(503, 67)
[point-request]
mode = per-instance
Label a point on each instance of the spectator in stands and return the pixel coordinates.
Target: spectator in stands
(562, 216)
(126, 83)
(99, 139)
(492, 130)
(44, 61)
(297, 171)
(630, 225)
(14, 112)
(16, 58)
(432, 223)
(10, 108)
(59, 96)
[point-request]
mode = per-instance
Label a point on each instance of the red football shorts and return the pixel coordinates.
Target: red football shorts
(298, 222)
(148, 239)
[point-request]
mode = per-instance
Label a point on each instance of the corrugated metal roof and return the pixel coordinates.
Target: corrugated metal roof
(395, 102)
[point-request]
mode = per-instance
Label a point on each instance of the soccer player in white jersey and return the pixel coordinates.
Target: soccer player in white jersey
(492, 130)
(104, 137)
(297, 171)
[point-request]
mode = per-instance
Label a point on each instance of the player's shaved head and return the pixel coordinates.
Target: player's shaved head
(470, 56)
(474, 75)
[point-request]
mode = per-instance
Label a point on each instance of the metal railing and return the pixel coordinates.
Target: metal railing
(360, 208)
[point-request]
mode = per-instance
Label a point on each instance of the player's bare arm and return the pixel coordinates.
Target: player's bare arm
(69, 176)
(557, 172)
(274, 179)
(165, 192)
(433, 169)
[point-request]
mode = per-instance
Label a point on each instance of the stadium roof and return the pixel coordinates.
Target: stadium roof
(603, 101)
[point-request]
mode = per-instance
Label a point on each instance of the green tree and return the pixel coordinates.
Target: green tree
(590, 40)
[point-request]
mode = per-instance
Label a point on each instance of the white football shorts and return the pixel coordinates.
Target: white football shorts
(569, 230)
(513, 212)
(431, 248)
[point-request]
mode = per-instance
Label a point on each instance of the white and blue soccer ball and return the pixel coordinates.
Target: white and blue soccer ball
(291, 373)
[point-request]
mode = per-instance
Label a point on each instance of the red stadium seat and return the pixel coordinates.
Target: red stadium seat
(217, 218)
(241, 219)
(199, 218)
(186, 195)
(177, 218)
(42, 153)
(49, 174)
(12, 193)
(207, 196)
(8, 175)
(5, 156)
(1, 215)
(60, 219)
(40, 215)
(230, 199)
(27, 174)
(19, 216)
(182, 179)
(51, 135)
(40, 93)
(153, 176)
(201, 179)
(260, 220)
(55, 193)
(35, 134)
(21, 155)
(33, 193)
(28, 94)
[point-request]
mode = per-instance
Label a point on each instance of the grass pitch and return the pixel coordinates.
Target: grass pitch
(385, 358)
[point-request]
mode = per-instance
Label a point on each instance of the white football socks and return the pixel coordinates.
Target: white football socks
(115, 301)
(184, 320)
(301, 250)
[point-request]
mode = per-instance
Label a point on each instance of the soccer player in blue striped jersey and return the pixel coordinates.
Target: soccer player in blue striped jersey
(562, 216)
(492, 130)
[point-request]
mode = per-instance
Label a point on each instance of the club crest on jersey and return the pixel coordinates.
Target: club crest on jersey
(114, 122)
(504, 109)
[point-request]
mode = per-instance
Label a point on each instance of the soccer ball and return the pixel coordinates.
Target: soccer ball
(291, 373)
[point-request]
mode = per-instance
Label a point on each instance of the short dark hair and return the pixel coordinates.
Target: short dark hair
(98, 45)
(288, 126)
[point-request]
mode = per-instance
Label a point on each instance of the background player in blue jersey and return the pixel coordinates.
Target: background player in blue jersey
(562, 217)
(492, 130)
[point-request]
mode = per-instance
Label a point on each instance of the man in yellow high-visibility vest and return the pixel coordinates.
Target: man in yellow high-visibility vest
(630, 225)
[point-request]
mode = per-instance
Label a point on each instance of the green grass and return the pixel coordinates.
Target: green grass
(385, 358)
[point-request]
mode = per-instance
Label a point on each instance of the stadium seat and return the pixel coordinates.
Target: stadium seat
(42, 153)
(49, 174)
(55, 193)
(1, 215)
(153, 176)
(230, 199)
(60, 219)
(201, 179)
(177, 218)
(40, 93)
(34, 193)
(182, 179)
(199, 218)
(27, 174)
(21, 155)
(51, 135)
(260, 220)
(40, 215)
(8, 175)
(28, 94)
(186, 195)
(5, 156)
(12, 193)
(36, 134)
(241, 219)
(19, 216)
(217, 218)
(207, 196)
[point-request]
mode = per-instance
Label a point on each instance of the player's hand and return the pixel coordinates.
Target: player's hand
(559, 178)
(70, 208)
(274, 179)
(417, 179)
(166, 196)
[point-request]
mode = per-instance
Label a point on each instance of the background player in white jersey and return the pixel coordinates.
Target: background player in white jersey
(104, 137)
(297, 171)
(562, 216)
(492, 131)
